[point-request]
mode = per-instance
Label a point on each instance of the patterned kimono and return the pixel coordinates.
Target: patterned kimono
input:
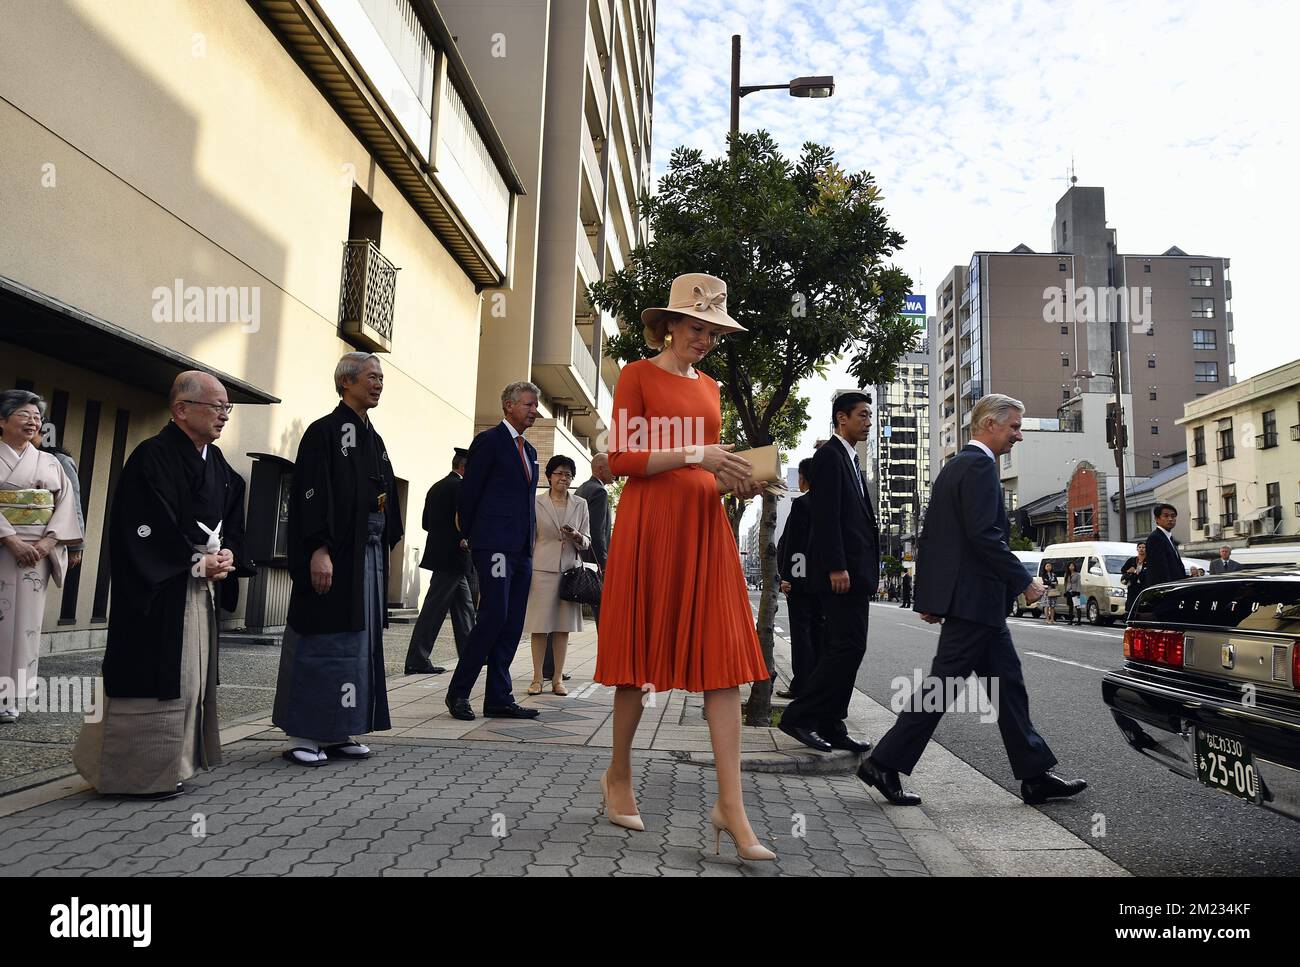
(35, 501)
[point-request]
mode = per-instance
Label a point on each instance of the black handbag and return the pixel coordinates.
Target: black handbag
(581, 584)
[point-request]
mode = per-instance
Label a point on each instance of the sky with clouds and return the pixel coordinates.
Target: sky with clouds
(969, 115)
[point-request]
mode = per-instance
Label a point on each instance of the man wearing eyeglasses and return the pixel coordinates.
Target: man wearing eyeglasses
(175, 533)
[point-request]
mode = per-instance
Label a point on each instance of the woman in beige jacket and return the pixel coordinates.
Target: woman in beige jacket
(563, 529)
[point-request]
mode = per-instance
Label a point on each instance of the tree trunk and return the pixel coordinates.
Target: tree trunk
(758, 712)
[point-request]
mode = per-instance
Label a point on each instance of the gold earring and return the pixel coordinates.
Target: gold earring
(668, 340)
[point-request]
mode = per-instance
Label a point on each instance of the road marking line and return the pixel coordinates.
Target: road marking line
(1066, 661)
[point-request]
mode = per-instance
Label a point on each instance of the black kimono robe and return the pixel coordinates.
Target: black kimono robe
(341, 469)
(164, 488)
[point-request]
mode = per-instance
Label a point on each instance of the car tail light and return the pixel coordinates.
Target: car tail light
(1148, 644)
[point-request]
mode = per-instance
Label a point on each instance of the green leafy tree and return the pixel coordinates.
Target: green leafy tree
(802, 246)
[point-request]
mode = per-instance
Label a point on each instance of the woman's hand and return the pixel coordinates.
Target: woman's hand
(718, 459)
(749, 489)
(25, 554)
(45, 546)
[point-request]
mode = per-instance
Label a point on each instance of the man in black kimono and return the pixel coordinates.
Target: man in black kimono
(344, 520)
(175, 534)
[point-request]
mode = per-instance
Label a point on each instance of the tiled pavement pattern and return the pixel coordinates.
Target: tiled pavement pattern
(421, 807)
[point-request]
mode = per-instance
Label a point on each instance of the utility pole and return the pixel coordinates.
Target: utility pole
(1121, 437)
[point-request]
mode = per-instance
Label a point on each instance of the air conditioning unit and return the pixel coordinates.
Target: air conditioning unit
(1214, 530)
(1205, 531)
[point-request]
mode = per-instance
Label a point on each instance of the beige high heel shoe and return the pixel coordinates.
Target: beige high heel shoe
(627, 822)
(755, 853)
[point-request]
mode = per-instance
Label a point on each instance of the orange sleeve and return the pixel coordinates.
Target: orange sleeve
(628, 443)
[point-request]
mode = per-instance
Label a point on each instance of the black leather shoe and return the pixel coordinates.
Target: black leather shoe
(886, 781)
(1049, 786)
(807, 736)
(786, 694)
(428, 669)
(848, 744)
(515, 711)
(459, 709)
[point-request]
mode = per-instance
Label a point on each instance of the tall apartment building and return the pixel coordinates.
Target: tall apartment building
(1023, 322)
(251, 189)
(570, 85)
(901, 451)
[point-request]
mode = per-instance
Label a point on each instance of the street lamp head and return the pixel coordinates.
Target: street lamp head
(821, 86)
(1087, 374)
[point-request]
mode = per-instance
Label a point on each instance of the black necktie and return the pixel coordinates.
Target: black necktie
(857, 471)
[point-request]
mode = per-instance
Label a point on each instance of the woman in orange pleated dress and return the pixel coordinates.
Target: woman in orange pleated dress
(675, 611)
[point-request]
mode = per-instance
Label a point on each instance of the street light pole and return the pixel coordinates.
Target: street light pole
(1121, 433)
(814, 86)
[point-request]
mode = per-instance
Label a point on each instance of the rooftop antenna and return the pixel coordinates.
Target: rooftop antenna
(1074, 179)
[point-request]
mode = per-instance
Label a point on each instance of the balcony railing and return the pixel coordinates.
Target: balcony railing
(367, 296)
(1199, 522)
(1270, 440)
(1225, 453)
(584, 362)
(1198, 458)
(1295, 432)
(1228, 520)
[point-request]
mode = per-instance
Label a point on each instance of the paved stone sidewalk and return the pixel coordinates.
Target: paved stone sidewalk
(427, 807)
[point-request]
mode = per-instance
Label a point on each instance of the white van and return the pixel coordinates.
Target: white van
(1031, 561)
(1101, 563)
(1267, 557)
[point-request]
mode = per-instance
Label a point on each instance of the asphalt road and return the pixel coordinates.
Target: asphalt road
(1155, 823)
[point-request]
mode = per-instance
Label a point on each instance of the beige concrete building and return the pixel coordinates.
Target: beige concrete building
(570, 85)
(1243, 454)
(253, 189)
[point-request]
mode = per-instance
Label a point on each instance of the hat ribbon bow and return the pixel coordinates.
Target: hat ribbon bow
(703, 302)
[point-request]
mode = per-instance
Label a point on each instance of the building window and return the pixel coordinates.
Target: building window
(1155, 430)
(1065, 330)
(1202, 508)
(1151, 329)
(1065, 392)
(1201, 275)
(1146, 266)
(1155, 464)
(1202, 308)
(1273, 499)
(1060, 266)
(1229, 501)
(1207, 372)
(1143, 522)
(1065, 361)
(1065, 230)
(1083, 520)
(1151, 361)
(1226, 449)
(1152, 393)
(1198, 446)
(1270, 429)
(1204, 339)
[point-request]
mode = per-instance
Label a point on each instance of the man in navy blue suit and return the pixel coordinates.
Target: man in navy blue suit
(966, 579)
(496, 511)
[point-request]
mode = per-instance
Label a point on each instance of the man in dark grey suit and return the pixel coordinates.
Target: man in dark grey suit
(446, 554)
(1224, 564)
(1163, 562)
(602, 523)
(966, 579)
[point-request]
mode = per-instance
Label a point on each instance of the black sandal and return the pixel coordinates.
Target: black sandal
(339, 750)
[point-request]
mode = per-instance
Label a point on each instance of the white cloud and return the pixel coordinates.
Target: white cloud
(969, 115)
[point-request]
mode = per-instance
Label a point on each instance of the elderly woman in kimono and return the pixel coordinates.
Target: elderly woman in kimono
(37, 523)
(344, 519)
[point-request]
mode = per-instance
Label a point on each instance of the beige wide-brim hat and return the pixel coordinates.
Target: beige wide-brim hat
(699, 296)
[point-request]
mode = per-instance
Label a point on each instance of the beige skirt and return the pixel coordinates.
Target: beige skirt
(148, 745)
(546, 612)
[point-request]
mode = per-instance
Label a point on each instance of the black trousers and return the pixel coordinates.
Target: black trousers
(448, 592)
(822, 704)
(966, 647)
(807, 629)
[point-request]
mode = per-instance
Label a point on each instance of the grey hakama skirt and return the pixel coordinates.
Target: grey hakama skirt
(331, 687)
